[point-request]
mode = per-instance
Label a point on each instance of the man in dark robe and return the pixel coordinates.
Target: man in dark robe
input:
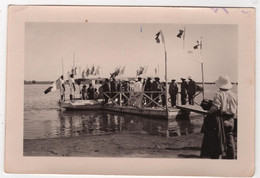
(191, 90)
(173, 90)
(183, 91)
(156, 88)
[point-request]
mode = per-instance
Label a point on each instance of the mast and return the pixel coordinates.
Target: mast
(202, 70)
(166, 81)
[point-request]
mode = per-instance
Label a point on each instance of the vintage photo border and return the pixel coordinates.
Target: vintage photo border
(15, 162)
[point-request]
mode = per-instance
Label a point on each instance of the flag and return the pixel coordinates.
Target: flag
(159, 37)
(145, 69)
(122, 71)
(92, 70)
(87, 72)
(198, 45)
(53, 87)
(97, 72)
(181, 34)
(83, 74)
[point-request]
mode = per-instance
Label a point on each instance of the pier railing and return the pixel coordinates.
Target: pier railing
(139, 99)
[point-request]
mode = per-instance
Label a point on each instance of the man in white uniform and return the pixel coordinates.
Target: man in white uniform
(138, 88)
(72, 86)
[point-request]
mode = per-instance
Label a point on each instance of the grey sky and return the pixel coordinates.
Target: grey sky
(132, 45)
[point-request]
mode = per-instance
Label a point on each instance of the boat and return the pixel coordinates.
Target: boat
(81, 104)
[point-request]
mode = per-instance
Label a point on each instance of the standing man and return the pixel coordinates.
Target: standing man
(148, 87)
(72, 87)
(183, 91)
(156, 88)
(173, 90)
(106, 90)
(138, 88)
(191, 90)
(62, 88)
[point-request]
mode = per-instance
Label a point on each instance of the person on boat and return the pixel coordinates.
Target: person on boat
(163, 88)
(147, 89)
(83, 92)
(191, 90)
(138, 88)
(126, 90)
(156, 88)
(183, 91)
(72, 87)
(96, 94)
(218, 126)
(62, 88)
(91, 92)
(173, 91)
(106, 90)
(113, 85)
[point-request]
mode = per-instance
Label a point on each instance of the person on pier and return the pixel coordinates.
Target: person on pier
(147, 88)
(191, 90)
(173, 90)
(183, 91)
(138, 88)
(113, 88)
(84, 92)
(62, 88)
(72, 87)
(106, 90)
(156, 88)
(91, 92)
(126, 90)
(163, 96)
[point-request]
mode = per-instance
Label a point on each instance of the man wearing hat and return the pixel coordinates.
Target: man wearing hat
(221, 115)
(183, 91)
(173, 91)
(147, 88)
(72, 87)
(106, 89)
(191, 90)
(138, 88)
(156, 88)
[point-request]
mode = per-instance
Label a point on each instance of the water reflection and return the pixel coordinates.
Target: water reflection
(100, 122)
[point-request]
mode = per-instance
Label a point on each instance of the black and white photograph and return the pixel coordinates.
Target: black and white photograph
(124, 89)
(130, 90)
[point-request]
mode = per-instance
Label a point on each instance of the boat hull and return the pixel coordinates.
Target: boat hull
(81, 105)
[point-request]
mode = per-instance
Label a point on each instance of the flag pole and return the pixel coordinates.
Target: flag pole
(202, 70)
(74, 63)
(166, 83)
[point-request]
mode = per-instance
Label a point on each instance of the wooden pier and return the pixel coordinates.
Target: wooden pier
(120, 103)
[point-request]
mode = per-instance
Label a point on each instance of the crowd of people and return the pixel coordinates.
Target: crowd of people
(134, 91)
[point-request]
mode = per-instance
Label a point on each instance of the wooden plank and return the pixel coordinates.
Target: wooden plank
(193, 108)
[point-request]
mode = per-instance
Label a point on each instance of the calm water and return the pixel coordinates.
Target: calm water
(44, 119)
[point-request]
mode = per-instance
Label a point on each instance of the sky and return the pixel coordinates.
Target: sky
(131, 45)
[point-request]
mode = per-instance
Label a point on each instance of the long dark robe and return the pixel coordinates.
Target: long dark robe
(214, 141)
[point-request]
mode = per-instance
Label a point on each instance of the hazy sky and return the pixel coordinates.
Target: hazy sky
(130, 45)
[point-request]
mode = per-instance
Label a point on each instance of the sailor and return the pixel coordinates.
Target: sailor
(72, 87)
(173, 90)
(183, 91)
(191, 90)
(62, 88)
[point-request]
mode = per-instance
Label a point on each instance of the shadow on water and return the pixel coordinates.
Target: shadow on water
(83, 123)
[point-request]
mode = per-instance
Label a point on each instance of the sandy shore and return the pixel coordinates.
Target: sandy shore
(117, 145)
